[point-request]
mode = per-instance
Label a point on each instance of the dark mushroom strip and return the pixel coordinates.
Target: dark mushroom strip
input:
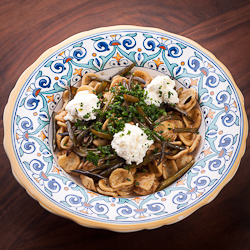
(81, 135)
(102, 134)
(124, 71)
(147, 119)
(162, 119)
(139, 79)
(89, 174)
(71, 132)
(124, 84)
(108, 171)
(185, 130)
(146, 160)
(130, 81)
(84, 151)
(101, 87)
(103, 166)
(173, 146)
(64, 133)
(130, 98)
(182, 111)
(109, 101)
(90, 140)
(163, 149)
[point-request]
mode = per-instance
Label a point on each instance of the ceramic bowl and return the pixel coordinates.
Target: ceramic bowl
(38, 93)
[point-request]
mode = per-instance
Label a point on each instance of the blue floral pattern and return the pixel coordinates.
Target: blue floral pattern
(165, 54)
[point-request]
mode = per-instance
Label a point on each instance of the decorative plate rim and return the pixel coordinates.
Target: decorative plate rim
(49, 205)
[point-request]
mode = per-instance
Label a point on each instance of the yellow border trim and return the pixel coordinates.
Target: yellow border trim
(50, 206)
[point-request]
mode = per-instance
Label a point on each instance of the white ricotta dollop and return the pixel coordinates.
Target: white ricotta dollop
(131, 144)
(82, 106)
(161, 89)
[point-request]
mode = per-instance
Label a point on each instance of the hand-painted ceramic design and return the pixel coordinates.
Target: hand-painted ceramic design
(39, 91)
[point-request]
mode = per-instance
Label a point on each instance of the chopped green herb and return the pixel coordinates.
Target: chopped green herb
(156, 150)
(169, 94)
(93, 158)
(86, 116)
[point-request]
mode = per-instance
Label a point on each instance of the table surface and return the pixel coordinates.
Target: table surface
(29, 27)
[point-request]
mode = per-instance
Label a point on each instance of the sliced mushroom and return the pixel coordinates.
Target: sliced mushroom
(141, 191)
(61, 152)
(86, 87)
(60, 115)
(88, 182)
(61, 124)
(125, 193)
(59, 137)
(183, 161)
(169, 168)
(104, 185)
(187, 99)
(126, 189)
(116, 80)
(195, 114)
(167, 127)
(144, 180)
(88, 166)
(86, 79)
(178, 155)
(179, 143)
(70, 162)
(187, 138)
(66, 142)
(93, 84)
(144, 75)
(113, 194)
(79, 167)
(195, 143)
(121, 178)
(154, 168)
(132, 171)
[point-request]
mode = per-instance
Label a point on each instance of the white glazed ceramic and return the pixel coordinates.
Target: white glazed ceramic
(39, 90)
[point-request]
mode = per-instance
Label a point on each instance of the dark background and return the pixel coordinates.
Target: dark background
(28, 28)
